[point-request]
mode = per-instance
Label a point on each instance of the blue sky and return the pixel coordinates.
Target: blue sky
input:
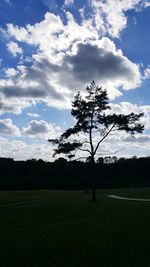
(50, 49)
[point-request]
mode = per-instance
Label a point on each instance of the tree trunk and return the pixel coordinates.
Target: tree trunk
(93, 195)
(93, 188)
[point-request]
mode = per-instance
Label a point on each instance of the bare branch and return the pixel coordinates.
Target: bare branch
(85, 150)
(86, 142)
(103, 138)
(111, 153)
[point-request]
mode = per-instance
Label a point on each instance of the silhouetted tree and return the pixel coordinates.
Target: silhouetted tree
(100, 160)
(96, 124)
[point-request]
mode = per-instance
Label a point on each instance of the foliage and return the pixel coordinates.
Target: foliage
(108, 172)
(94, 120)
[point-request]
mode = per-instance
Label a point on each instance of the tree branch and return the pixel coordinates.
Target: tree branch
(111, 153)
(85, 150)
(86, 142)
(103, 138)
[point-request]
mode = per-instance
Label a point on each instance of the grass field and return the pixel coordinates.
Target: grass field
(58, 228)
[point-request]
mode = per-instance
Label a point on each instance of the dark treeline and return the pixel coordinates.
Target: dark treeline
(106, 173)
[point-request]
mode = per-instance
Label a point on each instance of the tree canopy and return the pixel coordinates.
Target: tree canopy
(95, 122)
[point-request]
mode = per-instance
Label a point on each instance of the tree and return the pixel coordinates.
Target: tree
(94, 120)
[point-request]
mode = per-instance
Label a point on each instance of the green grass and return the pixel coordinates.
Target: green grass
(58, 228)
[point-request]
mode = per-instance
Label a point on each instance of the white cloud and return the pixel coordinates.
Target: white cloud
(13, 105)
(127, 107)
(54, 76)
(52, 36)
(41, 129)
(20, 150)
(2, 140)
(110, 16)
(56, 84)
(35, 115)
(14, 49)
(8, 128)
(10, 72)
(68, 2)
(147, 73)
(106, 17)
(147, 3)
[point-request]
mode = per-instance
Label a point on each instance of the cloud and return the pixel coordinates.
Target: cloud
(147, 3)
(147, 73)
(106, 18)
(51, 35)
(68, 2)
(102, 64)
(8, 128)
(14, 49)
(35, 115)
(139, 139)
(111, 17)
(10, 72)
(55, 84)
(68, 57)
(41, 129)
(127, 107)
(51, 4)
(20, 150)
(14, 105)
(33, 84)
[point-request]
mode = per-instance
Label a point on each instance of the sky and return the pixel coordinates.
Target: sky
(50, 50)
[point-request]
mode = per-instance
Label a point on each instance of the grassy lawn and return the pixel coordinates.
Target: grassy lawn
(58, 228)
